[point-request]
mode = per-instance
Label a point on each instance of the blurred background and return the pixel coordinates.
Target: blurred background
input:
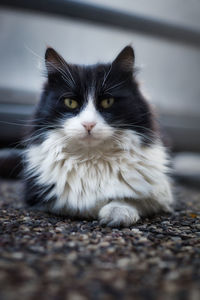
(164, 34)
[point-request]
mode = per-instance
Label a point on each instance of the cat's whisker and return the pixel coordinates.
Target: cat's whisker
(20, 124)
(33, 138)
(68, 70)
(43, 129)
(71, 76)
(68, 81)
(133, 125)
(65, 76)
(146, 138)
(112, 87)
(106, 76)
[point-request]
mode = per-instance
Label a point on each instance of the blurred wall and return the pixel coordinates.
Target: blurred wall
(170, 72)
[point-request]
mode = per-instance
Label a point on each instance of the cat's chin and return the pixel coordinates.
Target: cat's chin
(90, 141)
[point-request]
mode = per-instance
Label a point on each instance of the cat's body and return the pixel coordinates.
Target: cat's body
(94, 150)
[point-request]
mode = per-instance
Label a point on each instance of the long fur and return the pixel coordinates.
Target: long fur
(119, 173)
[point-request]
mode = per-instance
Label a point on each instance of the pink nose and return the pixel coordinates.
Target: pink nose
(88, 125)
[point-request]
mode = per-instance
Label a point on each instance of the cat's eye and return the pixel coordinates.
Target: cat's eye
(71, 103)
(106, 103)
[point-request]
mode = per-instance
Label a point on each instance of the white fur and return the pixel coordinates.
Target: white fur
(109, 174)
(118, 213)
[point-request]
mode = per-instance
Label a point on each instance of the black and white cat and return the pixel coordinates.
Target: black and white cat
(94, 150)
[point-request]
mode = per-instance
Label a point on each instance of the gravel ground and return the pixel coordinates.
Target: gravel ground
(48, 257)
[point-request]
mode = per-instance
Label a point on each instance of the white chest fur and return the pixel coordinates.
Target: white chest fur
(86, 180)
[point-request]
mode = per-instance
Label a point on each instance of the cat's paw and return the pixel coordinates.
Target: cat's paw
(117, 214)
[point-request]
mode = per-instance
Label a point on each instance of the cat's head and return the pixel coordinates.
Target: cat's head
(90, 104)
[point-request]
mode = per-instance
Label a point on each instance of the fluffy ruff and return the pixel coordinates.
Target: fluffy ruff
(117, 182)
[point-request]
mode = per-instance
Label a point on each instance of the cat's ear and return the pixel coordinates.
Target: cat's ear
(125, 59)
(54, 61)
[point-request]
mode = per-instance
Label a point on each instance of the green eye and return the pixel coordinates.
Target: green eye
(71, 103)
(106, 103)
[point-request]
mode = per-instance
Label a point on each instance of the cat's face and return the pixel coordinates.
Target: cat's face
(88, 127)
(93, 104)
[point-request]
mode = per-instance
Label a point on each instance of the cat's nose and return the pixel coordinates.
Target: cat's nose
(89, 125)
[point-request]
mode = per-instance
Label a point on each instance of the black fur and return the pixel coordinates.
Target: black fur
(11, 165)
(34, 192)
(117, 80)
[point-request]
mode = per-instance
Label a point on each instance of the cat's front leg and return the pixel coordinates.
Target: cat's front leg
(117, 213)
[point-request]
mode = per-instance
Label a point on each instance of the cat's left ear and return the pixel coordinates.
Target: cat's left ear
(54, 61)
(125, 59)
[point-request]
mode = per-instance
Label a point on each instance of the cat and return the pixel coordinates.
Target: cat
(94, 149)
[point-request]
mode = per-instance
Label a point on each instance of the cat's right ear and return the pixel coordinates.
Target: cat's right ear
(54, 61)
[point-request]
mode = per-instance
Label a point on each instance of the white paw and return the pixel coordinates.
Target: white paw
(117, 214)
